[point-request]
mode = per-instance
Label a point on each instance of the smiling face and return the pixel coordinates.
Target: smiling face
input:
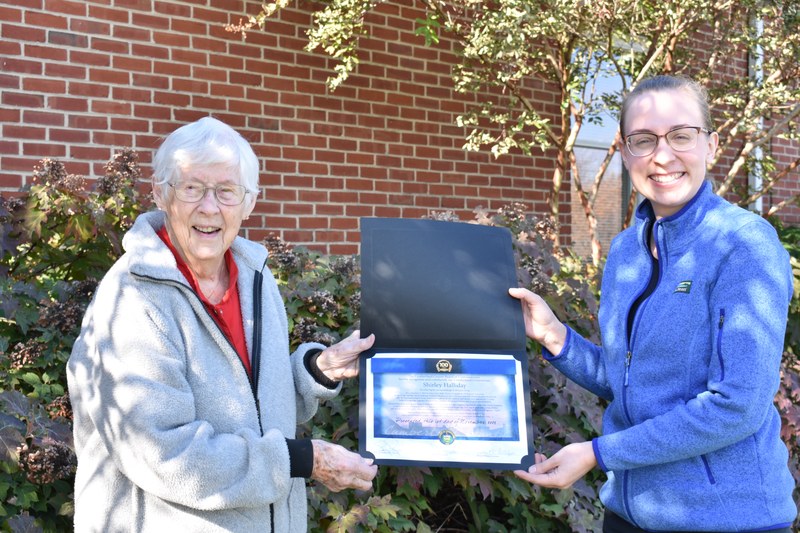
(204, 230)
(668, 178)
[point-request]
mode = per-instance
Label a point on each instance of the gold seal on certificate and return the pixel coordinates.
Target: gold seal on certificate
(446, 436)
(446, 383)
(444, 366)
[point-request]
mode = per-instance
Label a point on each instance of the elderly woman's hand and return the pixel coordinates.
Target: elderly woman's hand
(340, 361)
(338, 468)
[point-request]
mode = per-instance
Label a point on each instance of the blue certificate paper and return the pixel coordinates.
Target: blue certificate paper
(446, 382)
(448, 408)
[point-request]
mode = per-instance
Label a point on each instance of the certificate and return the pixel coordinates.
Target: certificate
(452, 409)
(446, 382)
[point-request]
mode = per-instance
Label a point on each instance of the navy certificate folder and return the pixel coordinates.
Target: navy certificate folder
(435, 294)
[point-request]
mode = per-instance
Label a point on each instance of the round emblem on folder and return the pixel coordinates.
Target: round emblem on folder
(444, 366)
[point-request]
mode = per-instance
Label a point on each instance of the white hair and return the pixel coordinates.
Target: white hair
(205, 142)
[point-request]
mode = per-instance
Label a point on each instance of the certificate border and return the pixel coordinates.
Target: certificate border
(527, 436)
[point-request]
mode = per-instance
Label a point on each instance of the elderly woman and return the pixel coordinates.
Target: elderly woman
(185, 396)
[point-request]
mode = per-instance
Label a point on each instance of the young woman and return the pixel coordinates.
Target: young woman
(693, 316)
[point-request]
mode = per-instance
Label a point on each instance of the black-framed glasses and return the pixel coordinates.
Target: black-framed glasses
(192, 192)
(679, 139)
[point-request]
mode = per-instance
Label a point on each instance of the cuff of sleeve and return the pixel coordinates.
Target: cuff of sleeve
(549, 356)
(310, 362)
(596, 450)
(301, 457)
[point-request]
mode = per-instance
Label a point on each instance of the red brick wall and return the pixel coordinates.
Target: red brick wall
(609, 205)
(786, 152)
(737, 66)
(81, 79)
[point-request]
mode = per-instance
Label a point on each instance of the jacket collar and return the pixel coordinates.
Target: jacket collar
(150, 257)
(681, 228)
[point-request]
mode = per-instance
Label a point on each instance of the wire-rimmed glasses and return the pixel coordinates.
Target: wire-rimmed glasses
(680, 139)
(192, 192)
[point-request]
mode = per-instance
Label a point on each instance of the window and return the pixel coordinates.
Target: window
(591, 147)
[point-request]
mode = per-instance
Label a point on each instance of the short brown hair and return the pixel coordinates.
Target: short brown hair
(666, 82)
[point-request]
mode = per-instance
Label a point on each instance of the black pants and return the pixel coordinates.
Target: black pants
(613, 523)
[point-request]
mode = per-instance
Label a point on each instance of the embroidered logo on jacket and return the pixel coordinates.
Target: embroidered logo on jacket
(684, 287)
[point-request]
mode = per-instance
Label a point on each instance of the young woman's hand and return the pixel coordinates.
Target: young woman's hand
(564, 468)
(541, 324)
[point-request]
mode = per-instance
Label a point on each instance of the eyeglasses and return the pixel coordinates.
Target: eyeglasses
(191, 192)
(679, 139)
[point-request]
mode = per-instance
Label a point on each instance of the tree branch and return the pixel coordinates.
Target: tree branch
(772, 182)
(780, 205)
(756, 141)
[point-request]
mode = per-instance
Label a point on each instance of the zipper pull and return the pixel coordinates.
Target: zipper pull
(627, 366)
(721, 319)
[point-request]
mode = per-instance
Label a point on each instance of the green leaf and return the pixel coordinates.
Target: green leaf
(423, 528)
(552, 508)
(33, 221)
(334, 510)
(10, 438)
(67, 508)
(25, 316)
(428, 29)
(382, 507)
(26, 498)
(31, 379)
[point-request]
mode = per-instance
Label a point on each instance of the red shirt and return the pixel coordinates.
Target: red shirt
(227, 313)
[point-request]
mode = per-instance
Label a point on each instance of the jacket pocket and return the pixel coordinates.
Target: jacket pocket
(668, 496)
(720, 327)
(707, 467)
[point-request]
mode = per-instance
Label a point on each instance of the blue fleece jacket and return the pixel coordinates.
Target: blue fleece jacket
(691, 436)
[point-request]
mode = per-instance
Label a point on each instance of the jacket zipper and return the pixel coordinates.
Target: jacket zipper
(720, 324)
(253, 376)
(255, 361)
(707, 467)
(629, 359)
(629, 352)
(627, 505)
(255, 364)
(719, 343)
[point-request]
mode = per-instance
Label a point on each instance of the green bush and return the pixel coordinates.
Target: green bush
(54, 244)
(788, 398)
(57, 241)
(790, 237)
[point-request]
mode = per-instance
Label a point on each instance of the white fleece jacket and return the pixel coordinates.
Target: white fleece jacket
(166, 426)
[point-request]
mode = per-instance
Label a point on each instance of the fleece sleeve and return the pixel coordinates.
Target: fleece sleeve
(582, 362)
(309, 392)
